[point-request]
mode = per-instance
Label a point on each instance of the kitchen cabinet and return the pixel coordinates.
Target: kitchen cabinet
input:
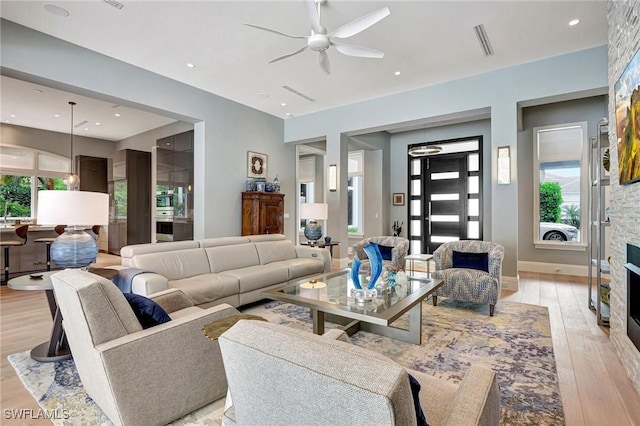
(262, 213)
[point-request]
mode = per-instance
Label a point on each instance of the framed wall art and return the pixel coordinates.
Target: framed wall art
(256, 165)
(628, 122)
(398, 198)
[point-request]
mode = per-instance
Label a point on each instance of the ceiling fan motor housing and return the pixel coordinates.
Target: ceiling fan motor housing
(318, 42)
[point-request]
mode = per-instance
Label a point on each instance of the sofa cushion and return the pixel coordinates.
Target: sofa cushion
(174, 265)
(128, 252)
(274, 251)
(148, 312)
(232, 257)
(256, 277)
(207, 287)
(301, 267)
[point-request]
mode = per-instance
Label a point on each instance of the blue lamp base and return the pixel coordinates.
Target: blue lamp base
(313, 231)
(74, 249)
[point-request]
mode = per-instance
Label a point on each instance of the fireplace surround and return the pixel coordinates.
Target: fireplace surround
(633, 294)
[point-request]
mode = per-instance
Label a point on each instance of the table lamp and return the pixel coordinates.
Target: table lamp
(75, 248)
(314, 212)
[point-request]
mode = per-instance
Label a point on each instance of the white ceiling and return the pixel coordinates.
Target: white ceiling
(428, 41)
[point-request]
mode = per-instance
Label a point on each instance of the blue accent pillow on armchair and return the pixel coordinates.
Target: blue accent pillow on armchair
(471, 260)
(385, 251)
(415, 392)
(148, 312)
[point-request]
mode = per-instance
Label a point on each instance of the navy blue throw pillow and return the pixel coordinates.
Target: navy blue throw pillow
(385, 252)
(148, 312)
(471, 260)
(415, 391)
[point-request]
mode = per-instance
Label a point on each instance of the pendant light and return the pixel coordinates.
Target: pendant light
(72, 180)
(424, 150)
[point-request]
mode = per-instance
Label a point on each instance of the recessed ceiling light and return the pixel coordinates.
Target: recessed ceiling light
(56, 10)
(397, 73)
(12, 115)
(116, 114)
(97, 124)
(190, 65)
(86, 128)
(283, 104)
(7, 121)
(168, 143)
(262, 95)
(56, 115)
(574, 22)
(288, 114)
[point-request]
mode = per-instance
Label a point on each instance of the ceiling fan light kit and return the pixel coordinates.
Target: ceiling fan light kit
(319, 40)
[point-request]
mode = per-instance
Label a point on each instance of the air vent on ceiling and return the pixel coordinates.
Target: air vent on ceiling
(298, 93)
(483, 38)
(114, 3)
(80, 124)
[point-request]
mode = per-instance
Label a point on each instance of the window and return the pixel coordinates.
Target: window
(560, 184)
(355, 192)
(307, 177)
(24, 172)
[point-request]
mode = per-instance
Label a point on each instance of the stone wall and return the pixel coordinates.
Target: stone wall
(624, 42)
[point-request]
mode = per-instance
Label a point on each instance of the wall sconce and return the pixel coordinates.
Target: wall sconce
(504, 165)
(333, 177)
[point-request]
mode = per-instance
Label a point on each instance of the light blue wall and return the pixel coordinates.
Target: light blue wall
(224, 130)
(574, 74)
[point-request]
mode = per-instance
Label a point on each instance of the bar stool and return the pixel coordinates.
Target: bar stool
(48, 241)
(21, 232)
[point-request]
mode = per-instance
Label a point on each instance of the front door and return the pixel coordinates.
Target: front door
(445, 196)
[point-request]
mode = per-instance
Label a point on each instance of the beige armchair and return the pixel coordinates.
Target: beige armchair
(282, 376)
(399, 249)
(136, 376)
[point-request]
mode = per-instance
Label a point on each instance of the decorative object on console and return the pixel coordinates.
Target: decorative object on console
(256, 165)
(627, 90)
(75, 248)
(314, 212)
(397, 228)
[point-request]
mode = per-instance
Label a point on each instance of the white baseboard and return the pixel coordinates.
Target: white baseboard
(553, 268)
(510, 283)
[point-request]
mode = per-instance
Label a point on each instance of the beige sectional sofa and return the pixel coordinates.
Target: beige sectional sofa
(233, 270)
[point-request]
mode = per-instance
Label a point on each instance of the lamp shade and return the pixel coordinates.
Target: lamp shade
(73, 208)
(317, 211)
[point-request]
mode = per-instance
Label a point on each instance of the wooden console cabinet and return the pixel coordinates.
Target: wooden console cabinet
(262, 213)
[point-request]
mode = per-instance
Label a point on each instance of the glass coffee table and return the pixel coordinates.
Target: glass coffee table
(328, 296)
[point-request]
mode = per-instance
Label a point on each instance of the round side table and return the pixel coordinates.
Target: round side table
(57, 348)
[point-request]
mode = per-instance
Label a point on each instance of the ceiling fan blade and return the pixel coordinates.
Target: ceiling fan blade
(361, 52)
(274, 31)
(288, 54)
(324, 61)
(360, 24)
(314, 18)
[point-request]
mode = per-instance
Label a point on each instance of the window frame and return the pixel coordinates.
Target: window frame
(34, 172)
(584, 188)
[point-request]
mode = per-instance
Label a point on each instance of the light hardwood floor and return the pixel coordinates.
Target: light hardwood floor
(594, 387)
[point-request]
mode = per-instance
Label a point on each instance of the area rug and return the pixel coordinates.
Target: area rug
(516, 343)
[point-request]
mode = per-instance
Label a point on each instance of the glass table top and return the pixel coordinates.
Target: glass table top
(332, 293)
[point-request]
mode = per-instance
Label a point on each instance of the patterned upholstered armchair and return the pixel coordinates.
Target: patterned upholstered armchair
(463, 281)
(393, 249)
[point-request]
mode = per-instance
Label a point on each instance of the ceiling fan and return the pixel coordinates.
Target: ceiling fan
(319, 41)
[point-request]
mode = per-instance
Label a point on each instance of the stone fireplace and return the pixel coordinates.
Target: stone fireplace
(633, 294)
